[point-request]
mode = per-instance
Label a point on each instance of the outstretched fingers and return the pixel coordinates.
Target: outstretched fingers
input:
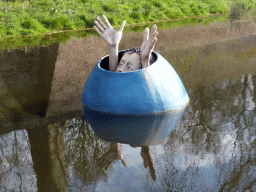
(122, 25)
(102, 24)
(152, 45)
(98, 31)
(146, 34)
(106, 21)
(153, 33)
(153, 30)
(99, 26)
(154, 42)
(153, 37)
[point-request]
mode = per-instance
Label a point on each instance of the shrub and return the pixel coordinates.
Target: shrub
(30, 23)
(48, 22)
(88, 20)
(124, 8)
(111, 20)
(11, 32)
(148, 7)
(109, 7)
(63, 22)
(2, 30)
(199, 8)
(161, 16)
(136, 15)
(57, 22)
(186, 10)
(219, 6)
(156, 3)
(174, 13)
(45, 3)
(26, 32)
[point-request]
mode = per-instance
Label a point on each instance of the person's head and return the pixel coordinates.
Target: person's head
(131, 60)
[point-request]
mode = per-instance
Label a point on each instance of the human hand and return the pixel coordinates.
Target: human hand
(109, 157)
(148, 161)
(148, 43)
(111, 36)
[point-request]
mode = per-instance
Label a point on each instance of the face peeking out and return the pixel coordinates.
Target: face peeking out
(129, 62)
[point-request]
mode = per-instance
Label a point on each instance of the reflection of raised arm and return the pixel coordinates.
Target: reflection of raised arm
(114, 153)
(148, 45)
(148, 161)
(112, 37)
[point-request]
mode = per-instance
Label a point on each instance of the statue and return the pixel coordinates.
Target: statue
(132, 96)
(133, 59)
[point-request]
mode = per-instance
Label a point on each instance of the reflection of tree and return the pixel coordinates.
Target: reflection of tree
(16, 172)
(47, 151)
(83, 148)
(245, 126)
(213, 146)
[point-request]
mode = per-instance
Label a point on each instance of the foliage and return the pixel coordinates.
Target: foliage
(36, 17)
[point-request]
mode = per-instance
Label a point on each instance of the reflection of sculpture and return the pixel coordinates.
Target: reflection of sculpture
(129, 62)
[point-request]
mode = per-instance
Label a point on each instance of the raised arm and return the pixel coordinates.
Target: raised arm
(112, 37)
(148, 45)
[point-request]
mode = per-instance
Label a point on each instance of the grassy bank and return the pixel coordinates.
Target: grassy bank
(47, 39)
(45, 16)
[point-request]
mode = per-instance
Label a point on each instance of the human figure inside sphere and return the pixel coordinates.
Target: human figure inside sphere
(132, 60)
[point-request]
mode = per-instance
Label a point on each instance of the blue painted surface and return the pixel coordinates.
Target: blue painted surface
(140, 107)
(140, 130)
(154, 89)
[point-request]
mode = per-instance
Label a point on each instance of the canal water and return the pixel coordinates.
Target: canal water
(46, 146)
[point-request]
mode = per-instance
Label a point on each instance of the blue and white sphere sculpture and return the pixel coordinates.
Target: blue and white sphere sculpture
(140, 107)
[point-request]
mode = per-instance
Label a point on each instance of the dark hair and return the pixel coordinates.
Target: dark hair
(138, 51)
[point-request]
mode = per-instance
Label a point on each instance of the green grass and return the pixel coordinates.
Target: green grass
(45, 40)
(37, 22)
(46, 16)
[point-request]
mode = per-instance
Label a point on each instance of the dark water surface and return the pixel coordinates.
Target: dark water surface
(45, 145)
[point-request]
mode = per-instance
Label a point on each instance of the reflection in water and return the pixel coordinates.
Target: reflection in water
(27, 78)
(135, 129)
(82, 149)
(47, 151)
(212, 148)
(16, 166)
(216, 149)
